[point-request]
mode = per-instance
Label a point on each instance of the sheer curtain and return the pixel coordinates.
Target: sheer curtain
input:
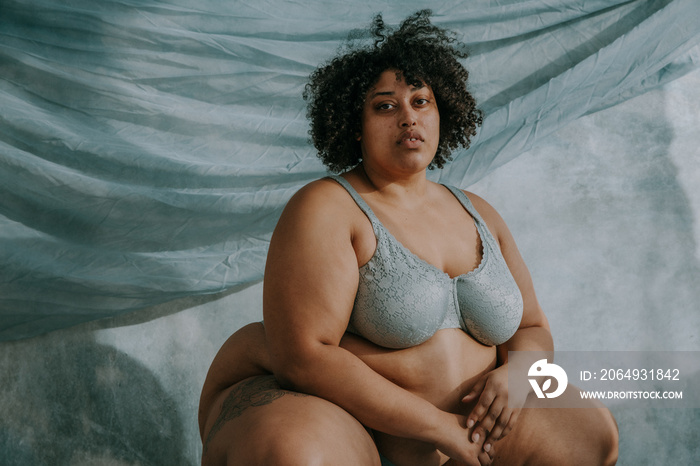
(148, 147)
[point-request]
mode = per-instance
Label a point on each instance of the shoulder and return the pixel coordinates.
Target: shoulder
(320, 207)
(493, 219)
(321, 199)
(320, 193)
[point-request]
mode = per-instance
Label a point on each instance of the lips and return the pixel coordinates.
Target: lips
(410, 139)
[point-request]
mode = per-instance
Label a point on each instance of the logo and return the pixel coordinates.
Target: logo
(542, 368)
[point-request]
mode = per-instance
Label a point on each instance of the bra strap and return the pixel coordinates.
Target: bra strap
(466, 202)
(356, 197)
(486, 237)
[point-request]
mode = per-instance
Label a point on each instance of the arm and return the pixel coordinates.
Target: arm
(533, 334)
(495, 415)
(310, 283)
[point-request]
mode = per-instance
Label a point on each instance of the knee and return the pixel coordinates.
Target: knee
(291, 452)
(600, 441)
(589, 437)
(609, 439)
(307, 445)
(279, 447)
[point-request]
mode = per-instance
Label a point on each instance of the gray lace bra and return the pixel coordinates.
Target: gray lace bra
(402, 300)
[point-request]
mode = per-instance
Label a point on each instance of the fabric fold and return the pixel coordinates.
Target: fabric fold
(148, 148)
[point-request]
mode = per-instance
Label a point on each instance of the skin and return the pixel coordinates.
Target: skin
(442, 402)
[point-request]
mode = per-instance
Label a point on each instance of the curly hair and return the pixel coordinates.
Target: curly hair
(422, 54)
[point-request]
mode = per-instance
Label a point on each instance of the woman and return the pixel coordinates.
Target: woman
(391, 302)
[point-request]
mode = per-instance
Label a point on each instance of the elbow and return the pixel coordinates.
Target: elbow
(289, 379)
(296, 370)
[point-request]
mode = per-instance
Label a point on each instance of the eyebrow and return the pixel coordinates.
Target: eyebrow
(415, 88)
(381, 93)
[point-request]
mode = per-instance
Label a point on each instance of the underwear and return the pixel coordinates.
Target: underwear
(402, 300)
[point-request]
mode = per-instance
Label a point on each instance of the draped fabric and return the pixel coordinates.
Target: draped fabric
(148, 147)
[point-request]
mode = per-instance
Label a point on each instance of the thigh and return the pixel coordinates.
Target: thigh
(583, 435)
(255, 422)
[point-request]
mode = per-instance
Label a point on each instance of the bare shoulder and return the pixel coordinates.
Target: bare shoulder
(492, 218)
(323, 189)
(320, 221)
(323, 200)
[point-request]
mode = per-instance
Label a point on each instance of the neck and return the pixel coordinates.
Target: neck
(395, 189)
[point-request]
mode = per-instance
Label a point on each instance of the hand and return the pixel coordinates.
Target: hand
(454, 442)
(493, 417)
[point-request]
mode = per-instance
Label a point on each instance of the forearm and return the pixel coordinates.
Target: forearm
(335, 374)
(536, 338)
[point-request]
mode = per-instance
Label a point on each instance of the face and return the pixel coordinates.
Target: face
(400, 126)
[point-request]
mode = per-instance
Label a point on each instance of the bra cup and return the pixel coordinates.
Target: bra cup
(490, 303)
(400, 303)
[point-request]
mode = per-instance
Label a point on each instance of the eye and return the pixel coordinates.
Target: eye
(385, 106)
(422, 101)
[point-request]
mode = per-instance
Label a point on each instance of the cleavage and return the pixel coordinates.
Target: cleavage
(455, 255)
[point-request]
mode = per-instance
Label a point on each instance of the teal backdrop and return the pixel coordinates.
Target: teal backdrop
(148, 147)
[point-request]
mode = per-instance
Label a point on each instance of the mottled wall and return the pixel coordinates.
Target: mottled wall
(605, 212)
(606, 215)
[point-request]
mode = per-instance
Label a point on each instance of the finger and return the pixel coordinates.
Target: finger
(476, 389)
(485, 458)
(490, 418)
(507, 427)
(502, 423)
(491, 450)
(511, 423)
(481, 432)
(481, 408)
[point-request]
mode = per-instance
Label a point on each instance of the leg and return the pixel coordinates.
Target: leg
(561, 436)
(260, 424)
(243, 355)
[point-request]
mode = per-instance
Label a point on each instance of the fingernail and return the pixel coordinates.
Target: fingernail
(470, 423)
(487, 447)
(475, 437)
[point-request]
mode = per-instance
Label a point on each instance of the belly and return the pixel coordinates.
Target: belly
(442, 370)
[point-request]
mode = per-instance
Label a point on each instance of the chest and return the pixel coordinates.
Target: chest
(445, 237)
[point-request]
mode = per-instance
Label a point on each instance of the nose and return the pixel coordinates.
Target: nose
(408, 117)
